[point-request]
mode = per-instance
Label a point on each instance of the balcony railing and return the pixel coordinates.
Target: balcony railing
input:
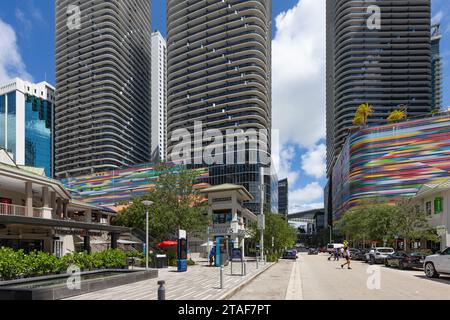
(12, 210)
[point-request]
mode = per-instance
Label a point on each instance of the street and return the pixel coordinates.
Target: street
(316, 278)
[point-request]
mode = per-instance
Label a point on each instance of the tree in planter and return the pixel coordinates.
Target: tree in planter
(176, 205)
(410, 223)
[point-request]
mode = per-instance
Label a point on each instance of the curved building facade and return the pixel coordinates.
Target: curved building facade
(219, 74)
(103, 72)
(382, 59)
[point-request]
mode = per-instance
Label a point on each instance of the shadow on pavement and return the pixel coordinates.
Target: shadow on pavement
(443, 280)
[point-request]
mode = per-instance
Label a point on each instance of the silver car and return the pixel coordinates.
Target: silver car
(437, 264)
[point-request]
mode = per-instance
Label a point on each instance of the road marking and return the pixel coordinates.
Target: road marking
(294, 290)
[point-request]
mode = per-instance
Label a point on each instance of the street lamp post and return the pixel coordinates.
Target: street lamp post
(331, 237)
(147, 204)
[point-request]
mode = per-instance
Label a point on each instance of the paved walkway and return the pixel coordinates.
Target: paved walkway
(271, 285)
(200, 283)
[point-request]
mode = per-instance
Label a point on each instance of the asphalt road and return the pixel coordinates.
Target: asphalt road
(316, 278)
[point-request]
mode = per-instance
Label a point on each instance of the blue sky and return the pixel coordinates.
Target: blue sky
(27, 49)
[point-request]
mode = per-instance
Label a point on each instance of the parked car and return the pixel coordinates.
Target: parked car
(437, 264)
(323, 250)
(404, 260)
(357, 254)
(360, 255)
(289, 254)
(313, 251)
(377, 255)
(333, 246)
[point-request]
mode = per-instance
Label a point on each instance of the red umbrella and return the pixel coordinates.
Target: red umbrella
(166, 244)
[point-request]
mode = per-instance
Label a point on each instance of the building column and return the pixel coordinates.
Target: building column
(45, 197)
(114, 239)
(59, 208)
(87, 243)
(53, 204)
(88, 215)
(65, 209)
(29, 199)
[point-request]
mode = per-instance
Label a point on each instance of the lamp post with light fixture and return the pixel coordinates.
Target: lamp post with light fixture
(147, 204)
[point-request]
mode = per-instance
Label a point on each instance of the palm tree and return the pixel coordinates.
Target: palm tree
(362, 114)
(397, 115)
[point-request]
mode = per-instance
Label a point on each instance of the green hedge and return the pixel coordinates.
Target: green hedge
(17, 264)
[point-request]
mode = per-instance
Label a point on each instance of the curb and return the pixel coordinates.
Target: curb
(244, 284)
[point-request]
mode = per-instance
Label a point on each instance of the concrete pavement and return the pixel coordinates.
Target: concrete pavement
(316, 278)
(201, 282)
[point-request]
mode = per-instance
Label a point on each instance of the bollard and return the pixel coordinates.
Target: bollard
(221, 277)
(257, 262)
(161, 290)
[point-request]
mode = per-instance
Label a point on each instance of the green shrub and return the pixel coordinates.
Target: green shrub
(11, 264)
(38, 263)
(114, 259)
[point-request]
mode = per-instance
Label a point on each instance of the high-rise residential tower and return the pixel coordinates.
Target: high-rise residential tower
(436, 67)
(378, 52)
(219, 74)
(103, 75)
(159, 97)
(283, 197)
(26, 123)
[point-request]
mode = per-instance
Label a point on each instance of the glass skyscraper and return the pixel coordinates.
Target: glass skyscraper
(219, 74)
(26, 123)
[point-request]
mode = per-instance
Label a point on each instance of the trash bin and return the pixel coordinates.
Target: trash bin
(161, 261)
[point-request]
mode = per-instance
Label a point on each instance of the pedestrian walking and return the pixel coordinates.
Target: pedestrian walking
(336, 254)
(212, 254)
(346, 254)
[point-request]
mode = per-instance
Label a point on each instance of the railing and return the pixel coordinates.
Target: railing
(21, 211)
(12, 210)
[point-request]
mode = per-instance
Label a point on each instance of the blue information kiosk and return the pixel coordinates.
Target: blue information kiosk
(182, 263)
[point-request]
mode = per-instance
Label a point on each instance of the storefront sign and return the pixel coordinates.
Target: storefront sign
(77, 232)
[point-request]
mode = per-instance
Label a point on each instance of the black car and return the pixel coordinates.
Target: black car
(359, 254)
(290, 255)
(404, 260)
(313, 251)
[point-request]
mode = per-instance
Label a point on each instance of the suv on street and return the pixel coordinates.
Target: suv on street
(438, 263)
(379, 254)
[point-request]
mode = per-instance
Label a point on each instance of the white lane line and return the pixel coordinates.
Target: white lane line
(294, 290)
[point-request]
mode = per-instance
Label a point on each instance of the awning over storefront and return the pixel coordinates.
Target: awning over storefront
(17, 220)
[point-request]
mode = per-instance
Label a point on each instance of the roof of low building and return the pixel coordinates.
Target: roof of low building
(431, 188)
(229, 187)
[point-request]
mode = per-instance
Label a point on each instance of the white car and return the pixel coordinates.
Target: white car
(437, 264)
(377, 255)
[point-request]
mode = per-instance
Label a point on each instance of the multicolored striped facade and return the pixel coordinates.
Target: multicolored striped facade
(391, 161)
(111, 188)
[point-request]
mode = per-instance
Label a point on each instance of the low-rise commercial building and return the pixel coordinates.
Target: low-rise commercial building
(434, 199)
(39, 213)
(230, 218)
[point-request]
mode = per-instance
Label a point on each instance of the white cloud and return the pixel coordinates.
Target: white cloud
(11, 63)
(437, 18)
(309, 197)
(314, 161)
(283, 164)
(299, 74)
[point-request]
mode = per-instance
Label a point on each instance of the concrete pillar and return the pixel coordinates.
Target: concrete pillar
(58, 208)
(87, 243)
(88, 215)
(29, 199)
(114, 238)
(65, 209)
(45, 197)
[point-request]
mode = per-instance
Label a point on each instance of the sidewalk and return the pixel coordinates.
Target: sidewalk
(201, 282)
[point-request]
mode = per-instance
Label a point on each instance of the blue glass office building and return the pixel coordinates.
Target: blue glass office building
(26, 122)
